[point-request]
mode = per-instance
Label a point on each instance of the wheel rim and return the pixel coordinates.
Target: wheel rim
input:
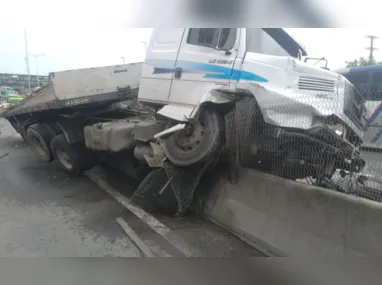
(191, 137)
(182, 149)
(64, 158)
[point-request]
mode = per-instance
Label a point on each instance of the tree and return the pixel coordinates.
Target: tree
(360, 62)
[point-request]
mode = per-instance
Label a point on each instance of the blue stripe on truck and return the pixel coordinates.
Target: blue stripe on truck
(210, 70)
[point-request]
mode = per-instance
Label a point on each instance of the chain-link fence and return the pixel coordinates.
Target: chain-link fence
(368, 82)
(321, 133)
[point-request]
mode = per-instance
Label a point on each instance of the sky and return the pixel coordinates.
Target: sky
(72, 48)
(64, 49)
(339, 45)
(75, 34)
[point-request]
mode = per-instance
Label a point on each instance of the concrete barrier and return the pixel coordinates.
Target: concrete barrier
(287, 218)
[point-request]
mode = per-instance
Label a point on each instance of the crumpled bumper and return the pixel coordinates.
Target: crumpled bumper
(288, 109)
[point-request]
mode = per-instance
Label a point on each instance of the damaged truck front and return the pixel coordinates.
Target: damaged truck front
(243, 96)
(312, 120)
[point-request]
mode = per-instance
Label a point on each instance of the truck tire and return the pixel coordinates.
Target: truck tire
(187, 147)
(74, 158)
(248, 126)
(40, 137)
(147, 195)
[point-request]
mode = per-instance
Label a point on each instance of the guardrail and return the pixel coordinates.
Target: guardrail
(287, 218)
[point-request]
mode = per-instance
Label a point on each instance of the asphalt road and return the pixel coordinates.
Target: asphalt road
(46, 212)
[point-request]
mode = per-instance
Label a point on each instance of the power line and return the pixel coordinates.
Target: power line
(371, 48)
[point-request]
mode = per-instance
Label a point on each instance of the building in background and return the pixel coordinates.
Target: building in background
(19, 82)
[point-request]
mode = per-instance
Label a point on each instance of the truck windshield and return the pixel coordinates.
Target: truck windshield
(368, 81)
(272, 42)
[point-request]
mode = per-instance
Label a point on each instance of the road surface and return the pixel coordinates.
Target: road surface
(46, 212)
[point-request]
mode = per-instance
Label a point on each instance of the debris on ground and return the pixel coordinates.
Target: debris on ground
(4, 155)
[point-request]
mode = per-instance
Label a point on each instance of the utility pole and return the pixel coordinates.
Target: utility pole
(36, 56)
(27, 60)
(371, 48)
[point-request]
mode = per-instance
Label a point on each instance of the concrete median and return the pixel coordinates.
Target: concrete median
(287, 218)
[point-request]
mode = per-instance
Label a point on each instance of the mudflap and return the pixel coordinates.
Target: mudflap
(184, 181)
(153, 193)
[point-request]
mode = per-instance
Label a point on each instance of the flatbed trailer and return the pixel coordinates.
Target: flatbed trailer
(82, 87)
(71, 100)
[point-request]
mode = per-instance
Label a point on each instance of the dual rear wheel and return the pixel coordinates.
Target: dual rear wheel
(74, 158)
(39, 137)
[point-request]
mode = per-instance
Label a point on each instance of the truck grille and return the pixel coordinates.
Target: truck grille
(354, 105)
(316, 84)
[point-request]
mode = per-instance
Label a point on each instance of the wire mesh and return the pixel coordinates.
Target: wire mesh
(329, 139)
(183, 181)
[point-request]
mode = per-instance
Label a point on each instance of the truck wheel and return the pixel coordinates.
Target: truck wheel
(39, 137)
(198, 142)
(74, 158)
(248, 127)
(148, 197)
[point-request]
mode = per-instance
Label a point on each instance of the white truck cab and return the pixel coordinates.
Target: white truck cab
(185, 68)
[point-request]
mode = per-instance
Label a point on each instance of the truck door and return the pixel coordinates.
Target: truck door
(158, 68)
(205, 62)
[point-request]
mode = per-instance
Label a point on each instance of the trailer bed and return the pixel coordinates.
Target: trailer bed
(81, 87)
